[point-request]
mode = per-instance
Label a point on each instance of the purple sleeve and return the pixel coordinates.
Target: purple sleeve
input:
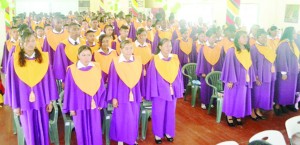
(228, 72)
(253, 52)
(281, 59)
(4, 59)
(60, 63)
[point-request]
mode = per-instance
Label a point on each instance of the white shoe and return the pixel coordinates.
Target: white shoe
(212, 106)
(203, 106)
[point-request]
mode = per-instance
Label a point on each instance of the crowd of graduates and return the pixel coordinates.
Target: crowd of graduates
(97, 59)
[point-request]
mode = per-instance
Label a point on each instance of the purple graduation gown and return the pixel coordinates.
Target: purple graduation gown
(132, 31)
(87, 121)
(237, 100)
(297, 41)
(47, 48)
(5, 59)
(286, 61)
(203, 67)
(163, 103)
(61, 62)
(34, 118)
(124, 123)
(263, 95)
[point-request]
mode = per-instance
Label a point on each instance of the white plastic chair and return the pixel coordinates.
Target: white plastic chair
(271, 136)
(228, 143)
(292, 126)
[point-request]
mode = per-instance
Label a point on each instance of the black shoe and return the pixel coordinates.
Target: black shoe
(158, 141)
(169, 139)
(239, 122)
(284, 109)
(260, 117)
(291, 108)
(230, 124)
(254, 118)
(278, 112)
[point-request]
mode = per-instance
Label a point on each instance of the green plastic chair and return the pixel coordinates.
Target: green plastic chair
(106, 122)
(68, 122)
(53, 124)
(213, 80)
(14, 124)
(189, 70)
(145, 113)
(19, 129)
(59, 86)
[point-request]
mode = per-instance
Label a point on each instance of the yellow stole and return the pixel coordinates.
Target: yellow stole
(87, 81)
(273, 43)
(198, 46)
(121, 22)
(138, 25)
(95, 47)
(144, 52)
(105, 60)
(9, 44)
(71, 50)
(168, 70)
(165, 34)
(129, 72)
(186, 47)
(39, 42)
(118, 45)
(244, 58)
(54, 39)
(212, 55)
(268, 53)
(33, 25)
(32, 73)
(150, 35)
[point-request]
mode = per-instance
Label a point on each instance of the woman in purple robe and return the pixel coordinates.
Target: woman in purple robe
(124, 92)
(30, 90)
(164, 87)
(210, 58)
(287, 62)
(263, 61)
(85, 97)
(238, 76)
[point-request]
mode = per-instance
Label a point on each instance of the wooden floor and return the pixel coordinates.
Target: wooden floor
(193, 127)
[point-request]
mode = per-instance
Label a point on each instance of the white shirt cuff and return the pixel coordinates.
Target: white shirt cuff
(283, 73)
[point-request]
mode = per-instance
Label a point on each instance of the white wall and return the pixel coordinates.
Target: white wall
(63, 6)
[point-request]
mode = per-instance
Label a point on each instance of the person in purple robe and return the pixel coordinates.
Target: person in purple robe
(66, 51)
(31, 89)
(56, 31)
(8, 46)
(287, 63)
(84, 97)
(130, 25)
(124, 92)
(164, 87)
(237, 76)
(210, 58)
(263, 61)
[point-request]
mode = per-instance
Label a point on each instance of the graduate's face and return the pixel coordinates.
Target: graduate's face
(84, 25)
(262, 39)
(124, 32)
(105, 42)
(243, 40)
(14, 33)
(212, 39)
(74, 31)
(166, 48)
(109, 31)
(127, 50)
(90, 37)
(149, 23)
(185, 35)
(142, 37)
(58, 24)
(85, 57)
(202, 37)
(273, 33)
(94, 24)
(40, 32)
(29, 43)
(128, 19)
(47, 28)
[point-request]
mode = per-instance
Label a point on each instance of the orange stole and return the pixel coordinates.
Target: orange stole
(165, 34)
(71, 50)
(186, 47)
(95, 47)
(212, 55)
(269, 53)
(150, 35)
(9, 44)
(273, 43)
(168, 70)
(118, 45)
(295, 51)
(144, 52)
(129, 72)
(54, 39)
(105, 60)
(226, 44)
(39, 42)
(33, 72)
(121, 22)
(87, 81)
(198, 46)
(33, 25)
(138, 25)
